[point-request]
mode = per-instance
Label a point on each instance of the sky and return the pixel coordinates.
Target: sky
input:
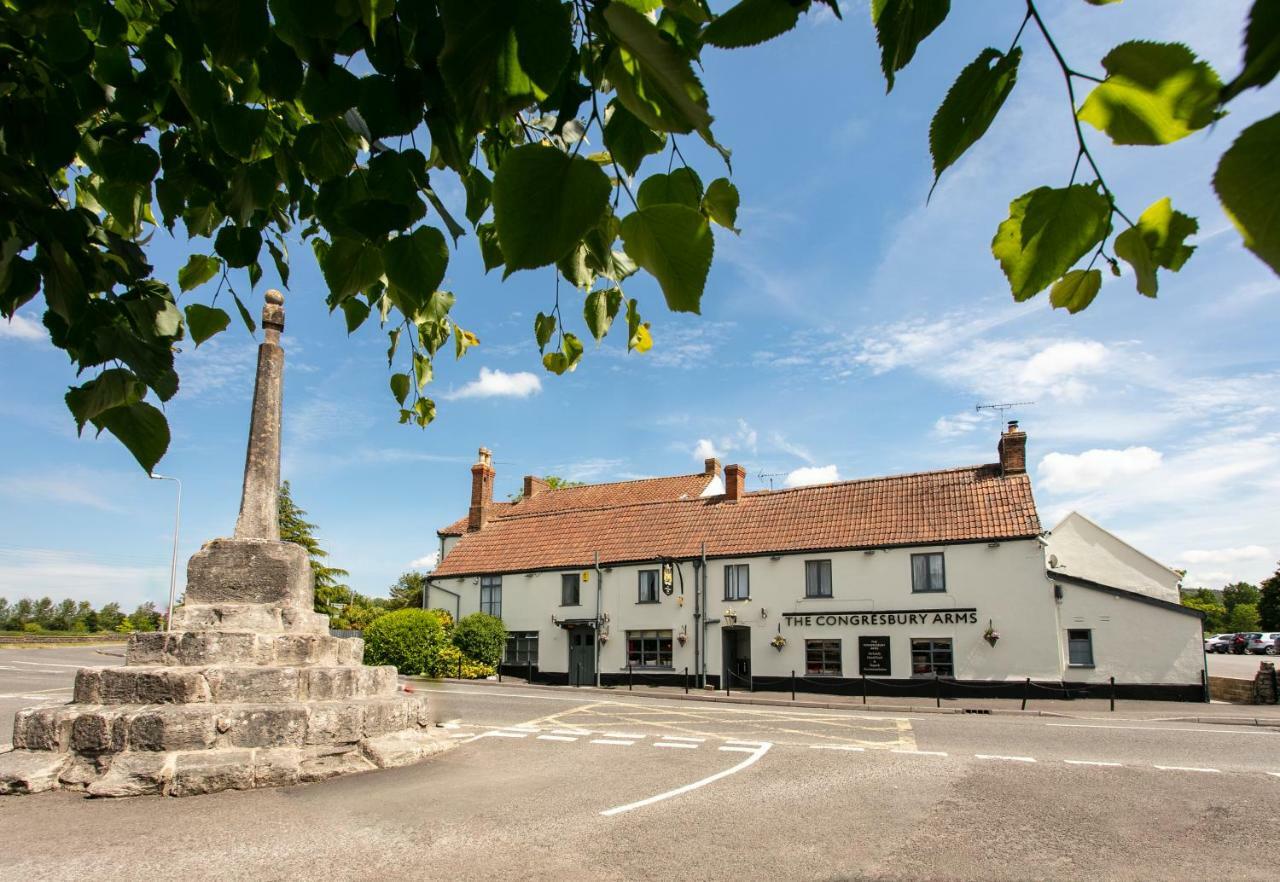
(849, 331)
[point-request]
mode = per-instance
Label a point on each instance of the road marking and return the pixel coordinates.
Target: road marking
(740, 749)
(500, 734)
(837, 747)
(683, 738)
(523, 728)
(47, 665)
(1091, 763)
(620, 741)
(1012, 759)
(631, 735)
(557, 738)
(450, 724)
(917, 752)
(675, 744)
(460, 735)
(1163, 729)
(738, 742)
(570, 731)
(1276, 774)
(1185, 769)
(760, 751)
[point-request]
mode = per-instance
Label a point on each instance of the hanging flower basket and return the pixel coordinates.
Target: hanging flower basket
(991, 635)
(778, 642)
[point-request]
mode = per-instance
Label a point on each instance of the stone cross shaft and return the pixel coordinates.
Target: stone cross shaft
(259, 500)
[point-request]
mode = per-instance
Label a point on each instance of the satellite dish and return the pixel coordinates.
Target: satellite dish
(1053, 561)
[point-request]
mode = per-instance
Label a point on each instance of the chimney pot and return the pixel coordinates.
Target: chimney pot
(1013, 450)
(735, 479)
(711, 466)
(481, 491)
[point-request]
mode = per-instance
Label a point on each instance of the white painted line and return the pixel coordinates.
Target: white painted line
(570, 731)
(631, 735)
(620, 741)
(1092, 763)
(1274, 774)
(557, 738)
(451, 724)
(460, 735)
(740, 749)
(1012, 759)
(739, 743)
(1217, 731)
(1185, 769)
(523, 728)
(917, 752)
(848, 747)
(47, 665)
(675, 744)
(683, 738)
(501, 734)
(754, 757)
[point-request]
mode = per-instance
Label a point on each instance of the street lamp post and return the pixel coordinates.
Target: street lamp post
(173, 563)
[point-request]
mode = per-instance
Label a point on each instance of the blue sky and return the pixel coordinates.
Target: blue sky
(849, 331)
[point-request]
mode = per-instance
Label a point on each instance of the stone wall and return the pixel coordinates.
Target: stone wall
(1260, 690)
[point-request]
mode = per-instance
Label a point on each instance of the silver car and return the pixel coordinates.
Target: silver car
(1220, 643)
(1267, 643)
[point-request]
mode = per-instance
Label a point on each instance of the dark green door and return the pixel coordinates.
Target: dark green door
(582, 657)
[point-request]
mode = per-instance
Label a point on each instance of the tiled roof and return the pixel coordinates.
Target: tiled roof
(594, 496)
(957, 505)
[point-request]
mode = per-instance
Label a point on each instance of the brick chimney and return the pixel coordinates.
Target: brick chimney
(533, 485)
(481, 491)
(735, 479)
(711, 466)
(1013, 450)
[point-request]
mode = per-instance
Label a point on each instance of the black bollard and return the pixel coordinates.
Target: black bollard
(459, 667)
(528, 675)
(864, 688)
(577, 675)
(1113, 694)
(686, 680)
(793, 685)
(1026, 687)
(937, 690)
(628, 677)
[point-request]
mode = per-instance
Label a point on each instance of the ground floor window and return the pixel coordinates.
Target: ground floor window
(932, 655)
(1080, 647)
(649, 649)
(822, 658)
(522, 648)
(491, 595)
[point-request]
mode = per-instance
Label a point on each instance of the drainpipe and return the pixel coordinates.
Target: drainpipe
(702, 671)
(596, 641)
(697, 619)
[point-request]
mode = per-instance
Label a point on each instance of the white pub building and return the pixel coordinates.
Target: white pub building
(907, 584)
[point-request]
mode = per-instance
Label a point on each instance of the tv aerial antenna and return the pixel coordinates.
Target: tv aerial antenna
(1003, 407)
(769, 476)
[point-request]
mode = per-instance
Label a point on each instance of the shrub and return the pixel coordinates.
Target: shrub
(481, 637)
(471, 670)
(410, 639)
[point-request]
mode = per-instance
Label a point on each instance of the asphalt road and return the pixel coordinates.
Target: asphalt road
(44, 675)
(557, 785)
(1240, 666)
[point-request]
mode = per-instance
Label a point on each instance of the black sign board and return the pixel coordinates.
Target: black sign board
(873, 656)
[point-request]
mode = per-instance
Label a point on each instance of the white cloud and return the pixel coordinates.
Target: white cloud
(1055, 368)
(957, 424)
(807, 475)
(426, 562)
(745, 440)
(499, 384)
(66, 489)
(780, 441)
(19, 327)
(1226, 555)
(1066, 472)
(55, 573)
(705, 449)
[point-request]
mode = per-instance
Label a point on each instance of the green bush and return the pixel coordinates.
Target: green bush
(471, 670)
(410, 639)
(481, 637)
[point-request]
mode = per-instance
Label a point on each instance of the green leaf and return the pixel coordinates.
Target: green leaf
(479, 194)
(1248, 185)
(1261, 50)
(238, 128)
(421, 370)
(751, 22)
(567, 358)
(139, 427)
(116, 387)
(234, 29)
(205, 321)
(374, 11)
(672, 242)
(1131, 247)
(323, 151)
(544, 326)
(655, 81)
(238, 246)
(199, 269)
(1158, 240)
(424, 410)
(490, 250)
(544, 202)
(1076, 290)
(681, 187)
(394, 337)
(463, 340)
(415, 266)
(629, 140)
(349, 267)
(901, 26)
(600, 310)
(245, 315)
(400, 384)
(355, 311)
(280, 257)
(391, 105)
(329, 91)
(1154, 93)
(970, 106)
(638, 336)
(721, 203)
(1046, 232)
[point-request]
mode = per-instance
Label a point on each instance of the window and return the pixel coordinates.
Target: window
(522, 648)
(928, 573)
(817, 578)
(822, 658)
(737, 584)
(491, 595)
(649, 649)
(569, 585)
(931, 656)
(1080, 648)
(648, 586)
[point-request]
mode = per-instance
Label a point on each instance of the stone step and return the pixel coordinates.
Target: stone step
(260, 617)
(142, 684)
(197, 648)
(90, 729)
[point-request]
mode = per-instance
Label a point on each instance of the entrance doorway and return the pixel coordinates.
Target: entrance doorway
(736, 643)
(582, 656)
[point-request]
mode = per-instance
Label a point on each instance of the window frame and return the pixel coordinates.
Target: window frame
(740, 570)
(1088, 632)
(830, 587)
(521, 642)
(659, 638)
(577, 588)
(490, 584)
(640, 586)
(825, 648)
(926, 555)
(934, 648)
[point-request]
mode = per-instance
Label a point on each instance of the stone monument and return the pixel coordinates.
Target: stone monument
(248, 688)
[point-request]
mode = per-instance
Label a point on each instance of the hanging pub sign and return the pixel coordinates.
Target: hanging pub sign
(953, 616)
(873, 656)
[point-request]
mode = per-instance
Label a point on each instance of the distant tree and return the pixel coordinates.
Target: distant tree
(42, 614)
(1215, 614)
(406, 593)
(1269, 603)
(1243, 617)
(554, 482)
(5, 612)
(125, 626)
(145, 617)
(86, 619)
(294, 528)
(23, 612)
(109, 617)
(1240, 592)
(64, 616)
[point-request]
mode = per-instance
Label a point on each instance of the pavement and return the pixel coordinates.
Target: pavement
(559, 783)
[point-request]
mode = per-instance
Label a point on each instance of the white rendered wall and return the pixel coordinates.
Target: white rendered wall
(1086, 551)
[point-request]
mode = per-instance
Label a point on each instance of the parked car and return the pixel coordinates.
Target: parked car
(1265, 643)
(1240, 643)
(1220, 643)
